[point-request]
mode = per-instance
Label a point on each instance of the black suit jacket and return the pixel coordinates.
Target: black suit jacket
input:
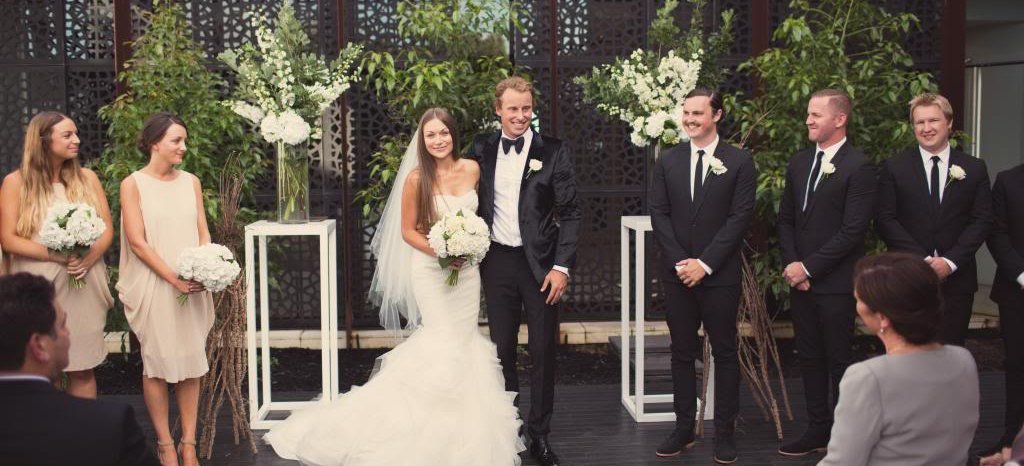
(1006, 242)
(829, 236)
(711, 227)
(42, 426)
(908, 221)
(549, 215)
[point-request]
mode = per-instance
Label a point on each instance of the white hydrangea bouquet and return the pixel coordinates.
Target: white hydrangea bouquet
(212, 265)
(283, 89)
(459, 235)
(70, 229)
(647, 92)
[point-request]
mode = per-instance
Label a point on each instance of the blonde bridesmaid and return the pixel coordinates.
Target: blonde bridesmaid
(50, 172)
(161, 215)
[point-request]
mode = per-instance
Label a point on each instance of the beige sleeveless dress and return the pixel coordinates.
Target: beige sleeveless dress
(172, 336)
(86, 307)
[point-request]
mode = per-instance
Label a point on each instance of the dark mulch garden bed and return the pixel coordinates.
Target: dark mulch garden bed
(299, 369)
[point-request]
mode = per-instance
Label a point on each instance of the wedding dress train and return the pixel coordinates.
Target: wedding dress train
(438, 399)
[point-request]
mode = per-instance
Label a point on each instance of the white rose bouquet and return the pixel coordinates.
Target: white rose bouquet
(212, 265)
(70, 229)
(459, 235)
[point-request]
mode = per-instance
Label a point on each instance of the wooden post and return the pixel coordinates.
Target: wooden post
(953, 41)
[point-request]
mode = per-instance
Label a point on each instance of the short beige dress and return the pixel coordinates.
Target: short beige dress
(86, 307)
(172, 336)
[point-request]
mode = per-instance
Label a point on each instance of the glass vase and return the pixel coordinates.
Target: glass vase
(292, 182)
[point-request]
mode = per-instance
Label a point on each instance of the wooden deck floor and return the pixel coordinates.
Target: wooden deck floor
(590, 427)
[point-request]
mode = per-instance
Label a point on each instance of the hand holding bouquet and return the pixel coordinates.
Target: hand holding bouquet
(459, 236)
(70, 229)
(211, 265)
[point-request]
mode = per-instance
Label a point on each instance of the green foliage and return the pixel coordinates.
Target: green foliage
(168, 73)
(665, 35)
(851, 45)
(454, 57)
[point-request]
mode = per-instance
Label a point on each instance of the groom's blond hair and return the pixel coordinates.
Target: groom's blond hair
(515, 83)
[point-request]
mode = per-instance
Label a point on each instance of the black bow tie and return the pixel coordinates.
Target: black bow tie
(518, 142)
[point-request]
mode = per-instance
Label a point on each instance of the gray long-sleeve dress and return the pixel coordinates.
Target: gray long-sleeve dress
(910, 409)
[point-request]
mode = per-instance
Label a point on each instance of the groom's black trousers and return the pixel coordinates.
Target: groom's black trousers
(509, 288)
(716, 308)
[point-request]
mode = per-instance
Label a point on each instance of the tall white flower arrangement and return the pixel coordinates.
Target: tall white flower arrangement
(647, 92)
(283, 88)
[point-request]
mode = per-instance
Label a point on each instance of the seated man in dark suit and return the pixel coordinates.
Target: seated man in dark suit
(41, 425)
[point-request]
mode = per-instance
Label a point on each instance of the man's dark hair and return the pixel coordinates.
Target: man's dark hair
(26, 308)
(714, 97)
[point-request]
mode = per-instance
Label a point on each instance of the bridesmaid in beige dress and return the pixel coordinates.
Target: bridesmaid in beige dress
(161, 215)
(50, 172)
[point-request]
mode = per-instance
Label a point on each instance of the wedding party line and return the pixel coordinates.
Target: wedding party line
(477, 214)
(435, 255)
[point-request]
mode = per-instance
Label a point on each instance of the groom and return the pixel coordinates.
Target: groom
(528, 198)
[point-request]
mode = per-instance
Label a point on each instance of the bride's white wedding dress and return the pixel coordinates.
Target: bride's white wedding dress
(438, 399)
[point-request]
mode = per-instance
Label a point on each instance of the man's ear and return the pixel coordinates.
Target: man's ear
(38, 347)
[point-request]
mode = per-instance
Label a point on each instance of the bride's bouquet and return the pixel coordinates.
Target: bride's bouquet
(456, 236)
(212, 265)
(70, 229)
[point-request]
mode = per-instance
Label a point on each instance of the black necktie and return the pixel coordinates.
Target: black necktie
(815, 170)
(518, 142)
(698, 173)
(934, 188)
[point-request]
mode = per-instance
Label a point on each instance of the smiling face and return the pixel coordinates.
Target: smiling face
(171, 147)
(64, 142)
(437, 138)
(931, 128)
(515, 108)
(700, 120)
(825, 125)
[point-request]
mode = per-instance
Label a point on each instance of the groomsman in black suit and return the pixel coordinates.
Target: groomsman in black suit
(702, 203)
(1007, 246)
(528, 198)
(826, 207)
(41, 425)
(935, 201)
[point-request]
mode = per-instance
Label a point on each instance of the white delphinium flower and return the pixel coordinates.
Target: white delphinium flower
(247, 111)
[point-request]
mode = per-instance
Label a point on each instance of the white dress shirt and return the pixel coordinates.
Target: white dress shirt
(926, 159)
(508, 178)
(830, 152)
(709, 151)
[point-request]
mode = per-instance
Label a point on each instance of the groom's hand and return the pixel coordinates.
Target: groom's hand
(555, 281)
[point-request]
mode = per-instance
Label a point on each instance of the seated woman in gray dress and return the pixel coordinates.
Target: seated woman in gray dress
(918, 403)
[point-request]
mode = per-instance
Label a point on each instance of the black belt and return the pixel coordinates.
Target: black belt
(504, 247)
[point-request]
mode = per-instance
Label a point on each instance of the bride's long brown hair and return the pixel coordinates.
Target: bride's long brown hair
(426, 212)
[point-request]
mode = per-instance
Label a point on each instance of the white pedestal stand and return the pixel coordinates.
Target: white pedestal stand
(634, 402)
(261, 402)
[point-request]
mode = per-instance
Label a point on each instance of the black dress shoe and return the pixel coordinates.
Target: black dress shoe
(725, 448)
(680, 439)
(541, 452)
(810, 442)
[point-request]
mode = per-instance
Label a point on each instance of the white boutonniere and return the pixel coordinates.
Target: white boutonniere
(535, 166)
(827, 168)
(955, 173)
(716, 165)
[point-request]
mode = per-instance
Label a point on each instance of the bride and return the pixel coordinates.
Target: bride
(439, 397)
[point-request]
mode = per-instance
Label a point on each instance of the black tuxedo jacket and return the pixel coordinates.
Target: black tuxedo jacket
(42, 426)
(908, 221)
(1006, 242)
(828, 237)
(549, 216)
(712, 225)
